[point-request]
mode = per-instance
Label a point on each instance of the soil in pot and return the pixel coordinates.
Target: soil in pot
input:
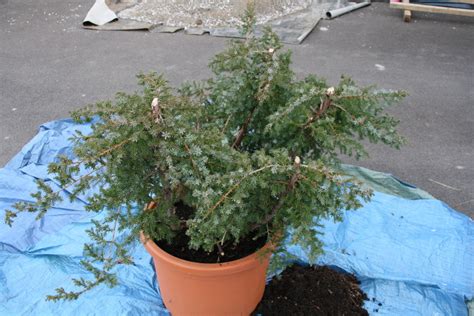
(228, 252)
(312, 291)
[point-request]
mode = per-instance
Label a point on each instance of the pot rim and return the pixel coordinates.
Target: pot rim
(228, 267)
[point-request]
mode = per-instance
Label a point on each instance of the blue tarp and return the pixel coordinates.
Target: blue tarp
(413, 254)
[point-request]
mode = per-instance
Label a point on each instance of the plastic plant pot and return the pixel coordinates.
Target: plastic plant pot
(210, 289)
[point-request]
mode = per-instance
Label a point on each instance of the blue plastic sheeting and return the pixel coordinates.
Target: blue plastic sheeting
(415, 257)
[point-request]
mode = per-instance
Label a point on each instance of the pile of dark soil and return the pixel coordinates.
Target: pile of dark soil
(312, 291)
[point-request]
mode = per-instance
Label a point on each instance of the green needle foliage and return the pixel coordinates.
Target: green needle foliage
(252, 150)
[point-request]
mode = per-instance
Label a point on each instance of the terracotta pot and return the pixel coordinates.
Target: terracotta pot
(210, 289)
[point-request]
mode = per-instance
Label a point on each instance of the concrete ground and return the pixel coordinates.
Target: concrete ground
(50, 66)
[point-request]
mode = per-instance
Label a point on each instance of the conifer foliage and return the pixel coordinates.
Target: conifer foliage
(252, 151)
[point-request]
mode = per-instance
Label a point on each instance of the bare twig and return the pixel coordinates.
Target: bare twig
(323, 107)
(156, 111)
(243, 129)
(221, 251)
(464, 203)
(444, 185)
(226, 123)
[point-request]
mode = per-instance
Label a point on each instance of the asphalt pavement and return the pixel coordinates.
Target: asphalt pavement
(49, 66)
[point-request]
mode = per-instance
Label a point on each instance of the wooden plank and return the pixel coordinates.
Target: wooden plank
(430, 8)
(407, 16)
(406, 13)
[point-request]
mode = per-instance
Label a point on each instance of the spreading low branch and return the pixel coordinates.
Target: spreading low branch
(101, 154)
(281, 198)
(235, 186)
